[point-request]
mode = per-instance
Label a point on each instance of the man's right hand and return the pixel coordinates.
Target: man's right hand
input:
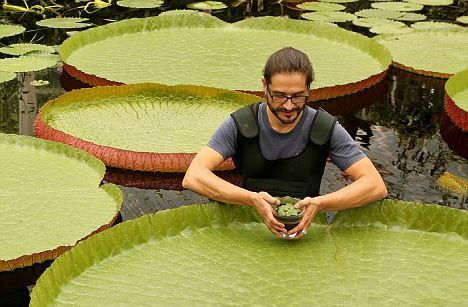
(264, 202)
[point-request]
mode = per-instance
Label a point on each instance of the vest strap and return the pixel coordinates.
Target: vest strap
(246, 120)
(322, 127)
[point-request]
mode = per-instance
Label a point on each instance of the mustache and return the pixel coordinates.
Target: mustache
(280, 109)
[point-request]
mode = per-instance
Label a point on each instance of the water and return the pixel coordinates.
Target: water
(397, 123)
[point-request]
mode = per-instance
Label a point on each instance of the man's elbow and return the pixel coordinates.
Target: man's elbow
(187, 182)
(382, 191)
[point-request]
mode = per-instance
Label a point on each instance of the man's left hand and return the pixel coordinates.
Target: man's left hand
(311, 208)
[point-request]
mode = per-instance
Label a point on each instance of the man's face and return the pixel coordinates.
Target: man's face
(286, 84)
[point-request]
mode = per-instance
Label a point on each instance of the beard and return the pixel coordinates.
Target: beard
(295, 112)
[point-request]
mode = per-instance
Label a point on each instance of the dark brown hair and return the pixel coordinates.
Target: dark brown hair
(288, 60)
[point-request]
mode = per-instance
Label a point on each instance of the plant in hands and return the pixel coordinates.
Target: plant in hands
(263, 203)
(310, 207)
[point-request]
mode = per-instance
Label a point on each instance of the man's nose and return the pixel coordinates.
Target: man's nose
(288, 105)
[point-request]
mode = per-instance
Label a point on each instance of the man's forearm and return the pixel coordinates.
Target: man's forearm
(204, 182)
(358, 193)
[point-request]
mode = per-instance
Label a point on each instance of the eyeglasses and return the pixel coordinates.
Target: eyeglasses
(283, 99)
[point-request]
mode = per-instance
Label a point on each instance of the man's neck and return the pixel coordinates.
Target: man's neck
(277, 125)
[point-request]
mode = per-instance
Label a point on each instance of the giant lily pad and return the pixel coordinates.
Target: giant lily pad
(64, 23)
(21, 49)
(444, 51)
(329, 16)
(146, 127)
(456, 99)
(27, 63)
(140, 4)
(49, 199)
(377, 13)
(432, 25)
(201, 49)
(372, 22)
(385, 29)
(10, 30)
(216, 254)
(339, 1)
(431, 2)
(6, 76)
(398, 6)
(207, 5)
(463, 19)
(411, 17)
(319, 6)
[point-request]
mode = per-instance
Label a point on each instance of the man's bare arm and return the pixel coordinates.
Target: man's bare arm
(200, 179)
(367, 187)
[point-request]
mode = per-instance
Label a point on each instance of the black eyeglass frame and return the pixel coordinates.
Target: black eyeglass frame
(288, 97)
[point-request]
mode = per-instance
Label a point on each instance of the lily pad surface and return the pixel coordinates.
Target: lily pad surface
(207, 5)
(456, 99)
(21, 49)
(432, 25)
(372, 22)
(50, 198)
(319, 6)
(10, 30)
(27, 63)
(140, 4)
(211, 254)
(329, 16)
(377, 13)
(386, 29)
(146, 127)
(444, 51)
(64, 23)
(431, 2)
(453, 183)
(398, 6)
(200, 49)
(463, 19)
(339, 1)
(6, 76)
(411, 17)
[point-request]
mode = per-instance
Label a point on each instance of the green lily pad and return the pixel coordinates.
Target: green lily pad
(140, 4)
(463, 19)
(411, 17)
(457, 89)
(22, 49)
(386, 29)
(64, 23)
(431, 25)
(27, 63)
(133, 121)
(444, 51)
(63, 203)
(320, 6)
(452, 182)
(207, 5)
(431, 2)
(376, 13)
(339, 1)
(201, 49)
(6, 76)
(398, 6)
(372, 22)
(179, 12)
(329, 16)
(216, 253)
(10, 30)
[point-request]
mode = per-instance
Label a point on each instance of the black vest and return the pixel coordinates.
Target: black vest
(298, 176)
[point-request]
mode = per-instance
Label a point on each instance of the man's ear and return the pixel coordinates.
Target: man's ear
(264, 82)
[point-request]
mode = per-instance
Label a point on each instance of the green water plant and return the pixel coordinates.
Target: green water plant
(140, 4)
(389, 29)
(10, 30)
(63, 202)
(397, 6)
(444, 50)
(26, 48)
(27, 63)
(456, 99)
(6, 76)
(463, 19)
(200, 49)
(212, 253)
(320, 6)
(372, 22)
(207, 5)
(329, 16)
(453, 183)
(409, 16)
(377, 13)
(433, 25)
(338, 1)
(431, 2)
(148, 127)
(64, 23)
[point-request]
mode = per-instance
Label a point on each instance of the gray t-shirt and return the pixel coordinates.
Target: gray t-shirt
(275, 145)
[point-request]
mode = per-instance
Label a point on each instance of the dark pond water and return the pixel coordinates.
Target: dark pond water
(400, 124)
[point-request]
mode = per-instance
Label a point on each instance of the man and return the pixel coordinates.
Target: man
(280, 148)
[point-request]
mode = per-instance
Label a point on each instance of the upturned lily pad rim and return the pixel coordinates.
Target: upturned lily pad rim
(161, 225)
(127, 159)
(424, 32)
(394, 6)
(94, 163)
(457, 113)
(202, 20)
